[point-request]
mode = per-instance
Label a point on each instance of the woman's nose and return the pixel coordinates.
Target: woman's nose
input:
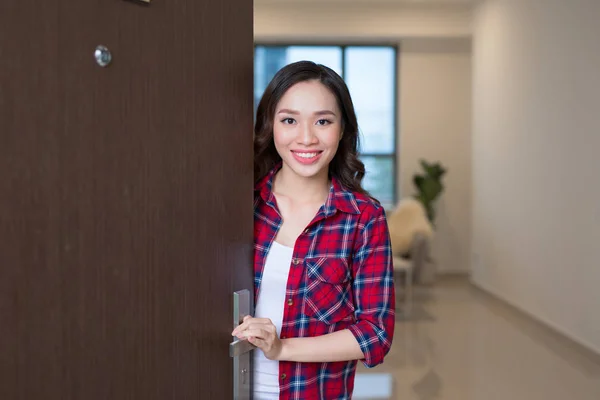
(307, 136)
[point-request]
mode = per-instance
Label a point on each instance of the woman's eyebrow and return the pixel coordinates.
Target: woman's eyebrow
(294, 112)
(288, 111)
(324, 112)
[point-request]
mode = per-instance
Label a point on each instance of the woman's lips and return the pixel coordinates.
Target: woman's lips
(307, 157)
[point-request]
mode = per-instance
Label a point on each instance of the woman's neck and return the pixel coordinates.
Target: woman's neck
(315, 188)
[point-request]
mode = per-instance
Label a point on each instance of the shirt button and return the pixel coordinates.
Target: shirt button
(296, 261)
(283, 376)
(290, 302)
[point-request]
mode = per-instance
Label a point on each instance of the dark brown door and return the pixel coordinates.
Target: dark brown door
(125, 197)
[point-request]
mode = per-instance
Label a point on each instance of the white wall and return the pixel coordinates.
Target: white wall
(536, 137)
(435, 124)
(434, 90)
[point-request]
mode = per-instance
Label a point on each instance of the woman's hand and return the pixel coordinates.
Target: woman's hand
(262, 333)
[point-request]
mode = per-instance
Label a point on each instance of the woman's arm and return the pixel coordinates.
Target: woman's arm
(373, 285)
(336, 346)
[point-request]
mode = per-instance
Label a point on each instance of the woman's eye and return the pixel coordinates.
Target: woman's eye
(288, 121)
(323, 122)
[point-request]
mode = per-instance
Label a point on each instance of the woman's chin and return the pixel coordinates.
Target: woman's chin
(311, 171)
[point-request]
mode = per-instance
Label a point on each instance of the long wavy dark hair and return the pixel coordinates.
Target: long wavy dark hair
(345, 166)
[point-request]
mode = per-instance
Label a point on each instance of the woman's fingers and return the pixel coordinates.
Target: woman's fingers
(250, 321)
(261, 344)
(257, 333)
(243, 326)
(246, 326)
(257, 320)
(262, 333)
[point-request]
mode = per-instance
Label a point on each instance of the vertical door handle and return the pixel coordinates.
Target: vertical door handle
(240, 350)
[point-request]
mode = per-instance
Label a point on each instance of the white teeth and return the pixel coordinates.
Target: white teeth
(307, 155)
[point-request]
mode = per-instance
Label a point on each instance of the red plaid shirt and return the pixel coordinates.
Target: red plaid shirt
(341, 277)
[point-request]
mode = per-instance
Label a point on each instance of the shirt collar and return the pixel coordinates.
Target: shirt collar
(339, 198)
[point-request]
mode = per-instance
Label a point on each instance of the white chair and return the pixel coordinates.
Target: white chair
(406, 267)
(418, 254)
(410, 233)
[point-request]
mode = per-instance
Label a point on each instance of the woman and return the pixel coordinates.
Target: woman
(323, 274)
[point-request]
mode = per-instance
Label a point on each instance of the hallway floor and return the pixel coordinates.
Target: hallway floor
(461, 344)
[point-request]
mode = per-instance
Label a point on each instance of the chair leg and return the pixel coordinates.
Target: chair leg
(408, 300)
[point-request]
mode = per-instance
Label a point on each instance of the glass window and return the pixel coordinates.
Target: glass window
(270, 59)
(380, 177)
(370, 76)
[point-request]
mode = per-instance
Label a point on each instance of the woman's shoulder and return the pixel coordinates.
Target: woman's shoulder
(364, 204)
(367, 200)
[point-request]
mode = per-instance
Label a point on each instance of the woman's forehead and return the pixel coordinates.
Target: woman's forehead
(308, 96)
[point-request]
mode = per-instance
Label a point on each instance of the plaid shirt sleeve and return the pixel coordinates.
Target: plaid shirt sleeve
(373, 287)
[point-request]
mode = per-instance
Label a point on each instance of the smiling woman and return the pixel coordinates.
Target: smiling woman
(310, 94)
(323, 275)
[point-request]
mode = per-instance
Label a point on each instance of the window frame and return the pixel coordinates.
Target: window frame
(343, 46)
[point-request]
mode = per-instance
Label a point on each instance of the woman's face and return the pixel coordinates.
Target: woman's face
(307, 129)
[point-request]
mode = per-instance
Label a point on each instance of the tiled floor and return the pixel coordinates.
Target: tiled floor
(461, 344)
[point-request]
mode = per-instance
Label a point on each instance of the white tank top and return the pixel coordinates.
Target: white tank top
(270, 304)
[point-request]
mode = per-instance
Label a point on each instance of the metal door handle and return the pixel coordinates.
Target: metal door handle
(241, 307)
(240, 347)
(240, 350)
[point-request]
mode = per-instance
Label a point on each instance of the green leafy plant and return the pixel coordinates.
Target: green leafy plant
(429, 186)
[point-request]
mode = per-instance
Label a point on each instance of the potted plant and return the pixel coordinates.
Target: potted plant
(429, 186)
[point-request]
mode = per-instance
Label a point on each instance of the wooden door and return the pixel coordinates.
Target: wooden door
(125, 197)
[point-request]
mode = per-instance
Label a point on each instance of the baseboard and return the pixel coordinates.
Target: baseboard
(450, 275)
(454, 272)
(574, 339)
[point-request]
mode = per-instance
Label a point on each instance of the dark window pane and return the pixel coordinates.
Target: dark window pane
(267, 61)
(370, 76)
(380, 178)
